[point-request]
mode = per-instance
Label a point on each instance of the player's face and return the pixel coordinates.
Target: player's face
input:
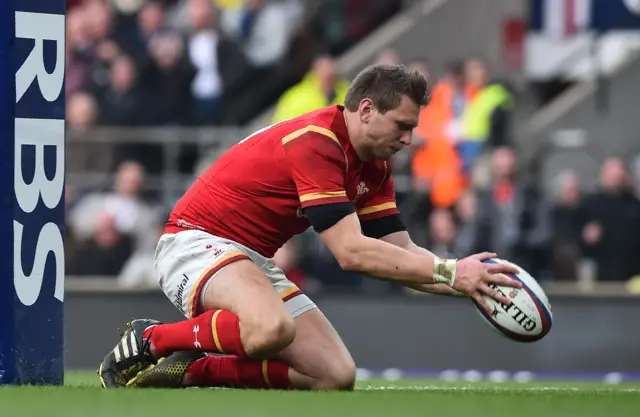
(390, 132)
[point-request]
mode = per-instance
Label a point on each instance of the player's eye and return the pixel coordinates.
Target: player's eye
(405, 127)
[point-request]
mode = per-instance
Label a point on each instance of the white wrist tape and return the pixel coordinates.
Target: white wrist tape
(444, 271)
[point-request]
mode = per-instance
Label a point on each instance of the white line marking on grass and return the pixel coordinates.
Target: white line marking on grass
(436, 388)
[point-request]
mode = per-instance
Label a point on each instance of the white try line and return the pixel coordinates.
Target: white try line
(437, 388)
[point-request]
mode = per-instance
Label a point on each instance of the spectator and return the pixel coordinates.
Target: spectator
(218, 62)
(421, 66)
(228, 4)
(466, 213)
(128, 7)
(78, 56)
(436, 165)
(168, 75)
(82, 110)
(476, 75)
(442, 233)
(437, 172)
(567, 223)
(105, 252)
(388, 56)
(449, 98)
(99, 19)
(100, 49)
(486, 121)
(123, 101)
(126, 103)
(139, 269)
(151, 20)
(131, 214)
(612, 232)
(512, 218)
(320, 88)
(265, 30)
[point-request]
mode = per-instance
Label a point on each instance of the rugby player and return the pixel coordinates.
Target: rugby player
(249, 326)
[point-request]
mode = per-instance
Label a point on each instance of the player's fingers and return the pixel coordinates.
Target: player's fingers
(502, 269)
(479, 299)
(495, 294)
(500, 279)
(483, 256)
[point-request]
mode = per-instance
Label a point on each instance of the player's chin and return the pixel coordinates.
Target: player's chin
(386, 154)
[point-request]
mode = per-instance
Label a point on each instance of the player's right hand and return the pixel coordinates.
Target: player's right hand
(474, 277)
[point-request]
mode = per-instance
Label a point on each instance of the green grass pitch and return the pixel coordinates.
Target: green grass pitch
(82, 397)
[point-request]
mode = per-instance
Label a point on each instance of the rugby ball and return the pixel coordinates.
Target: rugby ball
(528, 318)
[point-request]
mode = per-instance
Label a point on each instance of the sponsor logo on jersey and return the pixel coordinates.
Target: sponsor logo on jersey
(187, 225)
(361, 189)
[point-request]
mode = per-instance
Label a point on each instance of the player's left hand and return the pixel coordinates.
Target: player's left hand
(476, 278)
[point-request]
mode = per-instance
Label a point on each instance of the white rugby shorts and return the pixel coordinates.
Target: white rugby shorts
(187, 261)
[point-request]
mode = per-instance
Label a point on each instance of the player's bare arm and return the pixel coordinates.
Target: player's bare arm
(463, 266)
(358, 253)
(379, 259)
(403, 240)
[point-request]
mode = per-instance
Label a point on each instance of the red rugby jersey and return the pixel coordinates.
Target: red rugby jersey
(254, 193)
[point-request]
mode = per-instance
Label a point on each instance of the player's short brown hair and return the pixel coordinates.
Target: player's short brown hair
(385, 85)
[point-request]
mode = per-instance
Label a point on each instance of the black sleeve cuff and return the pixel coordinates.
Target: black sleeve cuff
(383, 226)
(324, 216)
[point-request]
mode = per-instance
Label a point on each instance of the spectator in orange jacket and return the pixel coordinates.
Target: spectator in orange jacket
(449, 98)
(436, 166)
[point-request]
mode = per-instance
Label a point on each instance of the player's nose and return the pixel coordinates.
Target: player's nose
(406, 137)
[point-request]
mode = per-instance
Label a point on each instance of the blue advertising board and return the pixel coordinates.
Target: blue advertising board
(32, 171)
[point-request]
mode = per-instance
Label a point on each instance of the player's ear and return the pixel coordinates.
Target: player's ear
(366, 109)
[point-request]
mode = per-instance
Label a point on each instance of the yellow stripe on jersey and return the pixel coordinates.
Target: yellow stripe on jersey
(375, 209)
(317, 129)
(192, 301)
(288, 291)
(327, 194)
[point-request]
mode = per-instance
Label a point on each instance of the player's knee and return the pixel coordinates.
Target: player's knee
(340, 376)
(272, 336)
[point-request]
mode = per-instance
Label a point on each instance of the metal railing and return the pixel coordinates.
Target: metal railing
(91, 153)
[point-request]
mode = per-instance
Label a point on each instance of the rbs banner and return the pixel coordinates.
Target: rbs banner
(32, 58)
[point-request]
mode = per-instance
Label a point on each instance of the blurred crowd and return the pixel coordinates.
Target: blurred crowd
(151, 63)
(459, 186)
(198, 62)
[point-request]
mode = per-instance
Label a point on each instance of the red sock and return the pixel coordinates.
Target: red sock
(230, 371)
(215, 331)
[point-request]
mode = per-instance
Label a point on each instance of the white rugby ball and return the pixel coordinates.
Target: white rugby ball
(529, 317)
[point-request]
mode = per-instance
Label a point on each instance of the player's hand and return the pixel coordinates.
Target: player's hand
(474, 278)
